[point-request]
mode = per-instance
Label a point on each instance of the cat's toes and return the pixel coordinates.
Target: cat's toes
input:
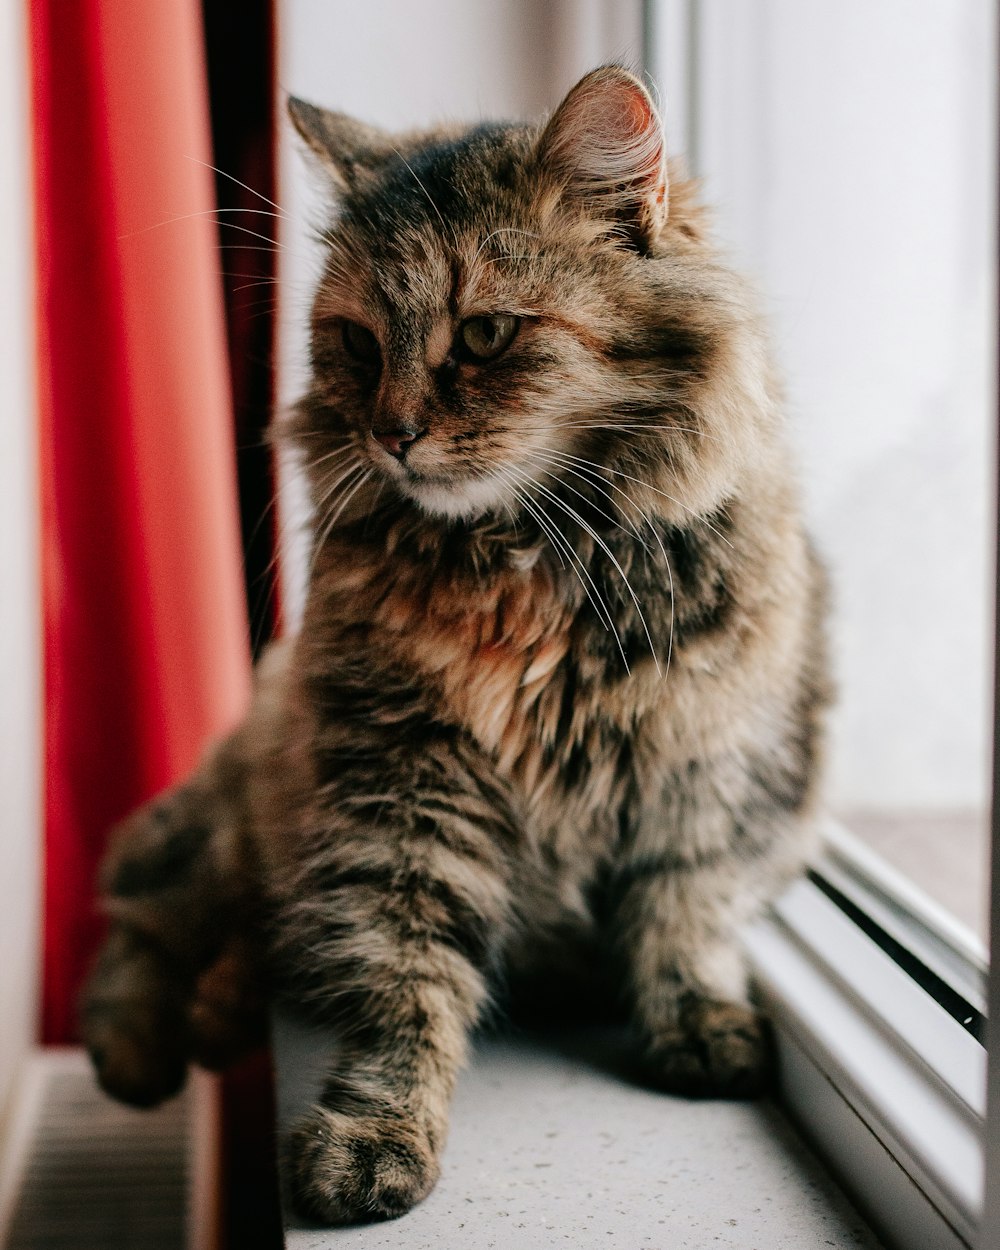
(717, 1050)
(352, 1169)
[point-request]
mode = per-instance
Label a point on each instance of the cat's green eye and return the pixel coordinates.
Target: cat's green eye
(361, 343)
(482, 338)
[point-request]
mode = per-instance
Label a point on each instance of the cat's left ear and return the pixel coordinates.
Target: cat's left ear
(350, 151)
(606, 142)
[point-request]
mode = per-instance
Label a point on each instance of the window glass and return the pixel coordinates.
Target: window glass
(849, 149)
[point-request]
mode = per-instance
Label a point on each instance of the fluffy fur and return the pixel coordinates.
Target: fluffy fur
(557, 699)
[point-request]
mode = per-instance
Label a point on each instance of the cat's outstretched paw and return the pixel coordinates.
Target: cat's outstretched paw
(132, 1022)
(349, 1169)
(138, 1057)
(717, 1050)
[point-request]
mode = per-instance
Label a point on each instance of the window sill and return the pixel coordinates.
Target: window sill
(550, 1145)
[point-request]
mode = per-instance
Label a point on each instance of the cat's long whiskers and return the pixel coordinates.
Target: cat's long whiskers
(574, 515)
(646, 485)
(329, 455)
(249, 286)
(202, 212)
(545, 457)
(274, 249)
(375, 498)
(274, 245)
(526, 504)
(331, 488)
(257, 307)
(283, 528)
(603, 611)
(346, 500)
(556, 537)
(322, 534)
(320, 505)
(600, 606)
(222, 174)
(647, 522)
(232, 273)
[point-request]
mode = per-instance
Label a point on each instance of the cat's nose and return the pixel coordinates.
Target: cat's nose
(397, 441)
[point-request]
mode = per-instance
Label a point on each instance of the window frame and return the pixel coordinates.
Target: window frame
(887, 1085)
(890, 1088)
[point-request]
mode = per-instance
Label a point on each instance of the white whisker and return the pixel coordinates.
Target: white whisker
(321, 535)
(572, 513)
(202, 212)
(553, 533)
(444, 226)
(646, 485)
(563, 468)
(222, 174)
(647, 521)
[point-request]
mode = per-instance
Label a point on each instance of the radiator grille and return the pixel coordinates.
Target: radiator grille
(99, 1176)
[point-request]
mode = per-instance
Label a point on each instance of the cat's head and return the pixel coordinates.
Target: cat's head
(512, 309)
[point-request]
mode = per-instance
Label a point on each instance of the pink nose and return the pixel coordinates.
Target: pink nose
(397, 442)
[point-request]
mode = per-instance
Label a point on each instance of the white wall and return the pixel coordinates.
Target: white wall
(20, 720)
(850, 148)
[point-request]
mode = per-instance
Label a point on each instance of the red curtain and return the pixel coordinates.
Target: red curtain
(146, 654)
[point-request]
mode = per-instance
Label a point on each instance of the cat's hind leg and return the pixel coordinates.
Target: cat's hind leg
(173, 981)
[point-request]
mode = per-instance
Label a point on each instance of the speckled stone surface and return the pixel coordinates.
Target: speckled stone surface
(551, 1146)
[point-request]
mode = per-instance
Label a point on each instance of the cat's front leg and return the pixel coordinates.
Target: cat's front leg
(390, 928)
(702, 866)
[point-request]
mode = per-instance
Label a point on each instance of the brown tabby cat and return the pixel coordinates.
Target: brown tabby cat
(559, 688)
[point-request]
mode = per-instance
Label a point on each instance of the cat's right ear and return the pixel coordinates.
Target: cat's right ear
(605, 142)
(349, 151)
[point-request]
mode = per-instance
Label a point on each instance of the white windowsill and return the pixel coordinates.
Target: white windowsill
(550, 1146)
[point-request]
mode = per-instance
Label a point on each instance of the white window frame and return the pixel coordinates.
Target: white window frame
(888, 1086)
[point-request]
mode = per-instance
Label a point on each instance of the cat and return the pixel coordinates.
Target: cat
(558, 697)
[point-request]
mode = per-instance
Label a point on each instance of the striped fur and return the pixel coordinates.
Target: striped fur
(557, 701)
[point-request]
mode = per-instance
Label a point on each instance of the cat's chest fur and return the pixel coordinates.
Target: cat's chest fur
(505, 655)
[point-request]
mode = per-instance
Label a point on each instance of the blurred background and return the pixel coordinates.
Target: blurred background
(156, 266)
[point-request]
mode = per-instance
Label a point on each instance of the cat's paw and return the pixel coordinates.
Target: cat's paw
(717, 1050)
(132, 1019)
(137, 1056)
(348, 1169)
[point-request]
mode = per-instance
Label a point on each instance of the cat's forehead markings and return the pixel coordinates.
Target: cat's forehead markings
(438, 343)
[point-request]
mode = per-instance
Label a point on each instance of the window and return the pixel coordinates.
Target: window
(850, 151)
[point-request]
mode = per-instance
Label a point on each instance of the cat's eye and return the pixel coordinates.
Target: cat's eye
(360, 343)
(482, 338)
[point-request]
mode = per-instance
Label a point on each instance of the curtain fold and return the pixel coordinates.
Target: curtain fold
(144, 613)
